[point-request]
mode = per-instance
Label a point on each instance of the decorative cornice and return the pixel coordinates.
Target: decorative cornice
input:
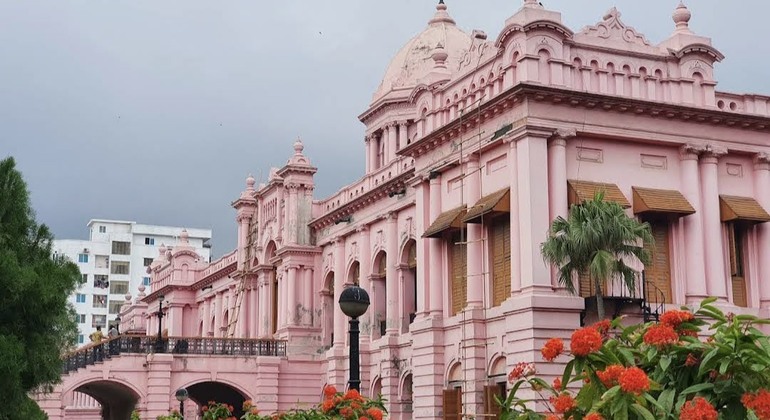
(690, 151)
(762, 161)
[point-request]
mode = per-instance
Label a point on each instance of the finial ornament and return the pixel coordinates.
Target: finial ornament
(441, 16)
(681, 18)
(533, 4)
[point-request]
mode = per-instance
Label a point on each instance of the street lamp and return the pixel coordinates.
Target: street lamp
(354, 301)
(159, 342)
(181, 395)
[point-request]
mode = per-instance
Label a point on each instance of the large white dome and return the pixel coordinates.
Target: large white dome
(413, 62)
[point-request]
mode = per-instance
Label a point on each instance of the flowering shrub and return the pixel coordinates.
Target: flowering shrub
(654, 371)
(174, 415)
(218, 411)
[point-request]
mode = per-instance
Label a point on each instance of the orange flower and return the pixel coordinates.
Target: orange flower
(661, 335)
(563, 403)
(552, 349)
(557, 383)
(353, 395)
(688, 333)
(254, 411)
(355, 406)
(759, 402)
(698, 409)
(328, 405)
(346, 412)
(674, 318)
(585, 341)
(691, 360)
(593, 416)
(634, 381)
(374, 413)
(610, 375)
(330, 391)
(247, 404)
(552, 417)
(603, 327)
(521, 370)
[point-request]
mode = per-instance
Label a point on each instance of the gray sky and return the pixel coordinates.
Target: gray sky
(155, 111)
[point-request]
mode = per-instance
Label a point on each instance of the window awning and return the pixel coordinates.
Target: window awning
(451, 219)
(580, 191)
(744, 209)
(650, 201)
(497, 202)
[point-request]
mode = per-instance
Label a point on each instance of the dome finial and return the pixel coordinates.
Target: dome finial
(681, 18)
(441, 16)
(533, 4)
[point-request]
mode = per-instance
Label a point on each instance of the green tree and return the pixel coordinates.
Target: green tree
(37, 324)
(596, 240)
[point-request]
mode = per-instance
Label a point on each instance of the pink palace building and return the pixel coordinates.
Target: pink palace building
(473, 145)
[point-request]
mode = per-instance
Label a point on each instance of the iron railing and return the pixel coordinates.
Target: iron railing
(141, 344)
(645, 293)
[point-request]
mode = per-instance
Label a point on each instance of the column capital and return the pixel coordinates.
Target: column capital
(391, 216)
(338, 240)
(690, 151)
(561, 135)
(402, 123)
(362, 229)
(711, 154)
(762, 161)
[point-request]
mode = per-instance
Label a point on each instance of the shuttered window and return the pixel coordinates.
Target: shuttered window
(658, 272)
(491, 407)
(458, 258)
(453, 404)
(736, 241)
(500, 244)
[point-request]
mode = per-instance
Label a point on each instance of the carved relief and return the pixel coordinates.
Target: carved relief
(735, 169)
(328, 261)
(613, 28)
(587, 154)
(654, 161)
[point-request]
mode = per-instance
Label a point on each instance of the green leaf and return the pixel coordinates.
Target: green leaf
(697, 388)
(567, 375)
(706, 364)
(642, 412)
(666, 400)
(665, 362)
(708, 301)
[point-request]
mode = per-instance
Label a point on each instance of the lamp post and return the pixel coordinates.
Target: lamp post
(354, 301)
(181, 395)
(159, 341)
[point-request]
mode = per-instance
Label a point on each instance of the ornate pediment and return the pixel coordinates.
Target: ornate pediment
(614, 28)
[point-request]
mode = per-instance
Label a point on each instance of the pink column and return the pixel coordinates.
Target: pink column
(391, 275)
(368, 153)
(402, 135)
(386, 145)
(218, 314)
(292, 213)
(206, 317)
(339, 282)
(243, 314)
(532, 165)
(435, 257)
(283, 297)
(475, 270)
(308, 286)
(291, 298)
(695, 277)
(254, 315)
(762, 194)
(243, 234)
(423, 268)
(365, 267)
(557, 182)
(174, 321)
(513, 175)
(712, 225)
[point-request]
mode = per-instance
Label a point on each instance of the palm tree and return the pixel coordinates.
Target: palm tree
(596, 240)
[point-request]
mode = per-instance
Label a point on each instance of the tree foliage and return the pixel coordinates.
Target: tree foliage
(596, 239)
(37, 324)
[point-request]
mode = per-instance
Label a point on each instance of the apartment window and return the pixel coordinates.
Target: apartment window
(102, 229)
(146, 281)
(149, 241)
(100, 301)
(100, 281)
(80, 298)
(83, 258)
(118, 287)
(147, 262)
(121, 248)
(81, 339)
(102, 261)
(80, 318)
(99, 321)
(500, 253)
(458, 270)
(736, 241)
(85, 278)
(115, 306)
(119, 267)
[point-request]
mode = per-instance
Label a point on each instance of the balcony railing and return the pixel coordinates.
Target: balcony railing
(140, 344)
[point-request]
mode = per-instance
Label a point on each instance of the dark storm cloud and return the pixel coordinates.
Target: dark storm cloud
(155, 111)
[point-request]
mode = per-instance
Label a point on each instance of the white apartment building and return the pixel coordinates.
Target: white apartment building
(114, 263)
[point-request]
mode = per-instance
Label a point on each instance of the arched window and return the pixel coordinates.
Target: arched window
(379, 297)
(544, 67)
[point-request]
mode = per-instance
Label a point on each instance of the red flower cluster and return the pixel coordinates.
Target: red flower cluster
(610, 375)
(521, 370)
(552, 417)
(759, 402)
(593, 416)
(676, 318)
(585, 341)
(698, 409)
(557, 383)
(634, 381)
(691, 360)
(603, 327)
(552, 349)
(563, 403)
(661, 335)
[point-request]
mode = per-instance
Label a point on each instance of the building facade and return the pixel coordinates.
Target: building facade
(473, 145)
(113, 262)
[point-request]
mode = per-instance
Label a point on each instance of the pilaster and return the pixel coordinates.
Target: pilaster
(391, 274)
(693, 225)
(435, 254)
(339, 283)
(716, 279)
(475, 273)
(762, 195)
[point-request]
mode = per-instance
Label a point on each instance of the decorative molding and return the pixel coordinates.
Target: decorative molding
(611, 27)
(588, 154)
(654, 161)
(734, 169)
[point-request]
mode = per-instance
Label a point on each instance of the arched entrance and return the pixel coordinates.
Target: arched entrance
(203, 392)
(117, 400)
(327, 302)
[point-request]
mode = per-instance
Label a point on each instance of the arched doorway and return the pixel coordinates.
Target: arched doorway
(407, 396)
(354, 274)
(117, 400)
(379, 298)
(327, 306)
(409, 267)
(203, 392)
